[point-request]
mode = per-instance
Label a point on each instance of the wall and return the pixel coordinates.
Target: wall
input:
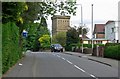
(109, 34)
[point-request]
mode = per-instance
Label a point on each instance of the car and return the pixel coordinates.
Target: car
(56, 48)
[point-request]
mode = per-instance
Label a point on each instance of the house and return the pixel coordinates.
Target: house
(60, 24)
(111, 31)
(99, 31)
(99, 34)
(95, 41)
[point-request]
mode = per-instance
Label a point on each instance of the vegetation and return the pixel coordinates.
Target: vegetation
(72, 36)
(60, 38)
(17, 16)
(69, 48)
(45, 41)
(10, 45)
(112, 52)
(111, 44)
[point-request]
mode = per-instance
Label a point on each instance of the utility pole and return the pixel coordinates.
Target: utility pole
(82, 26)
(92, 26)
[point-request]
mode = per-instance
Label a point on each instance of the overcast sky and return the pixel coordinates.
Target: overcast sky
(103, 10)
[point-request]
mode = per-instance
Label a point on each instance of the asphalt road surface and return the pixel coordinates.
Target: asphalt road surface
(46, 64)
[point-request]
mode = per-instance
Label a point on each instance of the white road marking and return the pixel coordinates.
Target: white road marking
(58, 56)
(93, 76)
(69, 62)
(79, 68)
(63, 58)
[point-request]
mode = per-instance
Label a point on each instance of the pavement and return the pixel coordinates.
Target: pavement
(107, 61)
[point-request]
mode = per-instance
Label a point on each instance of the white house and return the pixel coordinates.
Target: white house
(111, 31)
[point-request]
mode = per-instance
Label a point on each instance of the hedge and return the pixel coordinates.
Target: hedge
(0, 49)
(111, 44)
(11, 52)
(69, 48)
(112, 52)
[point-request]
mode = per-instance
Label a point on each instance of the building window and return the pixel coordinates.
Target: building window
(112, 30)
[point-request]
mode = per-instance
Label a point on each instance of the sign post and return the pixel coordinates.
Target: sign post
(25, 34)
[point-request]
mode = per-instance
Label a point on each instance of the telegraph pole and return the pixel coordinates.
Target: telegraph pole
(92, 26)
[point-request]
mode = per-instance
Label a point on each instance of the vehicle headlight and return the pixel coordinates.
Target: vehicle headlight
(55, 47)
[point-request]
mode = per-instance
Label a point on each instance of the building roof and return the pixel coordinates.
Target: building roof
(60, 17)
(99, 28)
(110, 21)
(85, 37)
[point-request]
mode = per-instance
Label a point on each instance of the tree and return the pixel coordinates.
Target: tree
(72, 36)
(44, 9)
(80, 29)
(11, 11)
(60, 38)
(24, 13)
(45, 41)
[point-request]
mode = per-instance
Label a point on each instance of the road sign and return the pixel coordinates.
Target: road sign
(24, 33)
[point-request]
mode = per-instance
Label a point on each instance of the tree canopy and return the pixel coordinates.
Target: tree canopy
(24, 14)
(72, 35)
(60, 38)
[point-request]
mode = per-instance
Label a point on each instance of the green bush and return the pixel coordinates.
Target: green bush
(10, 46)
(112, 44)
(69, 47)
(112, 52)
(90, 45)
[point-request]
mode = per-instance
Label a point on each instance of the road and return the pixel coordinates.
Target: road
(46, 64)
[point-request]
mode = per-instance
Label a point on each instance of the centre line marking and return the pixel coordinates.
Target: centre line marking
(93, 76)
(63, 58)
(69, 62)
(79, 68)
(58, 56)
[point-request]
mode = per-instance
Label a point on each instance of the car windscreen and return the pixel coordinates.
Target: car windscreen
(57, 45)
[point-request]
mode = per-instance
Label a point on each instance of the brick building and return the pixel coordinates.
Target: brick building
(60, 24)
(99, 31)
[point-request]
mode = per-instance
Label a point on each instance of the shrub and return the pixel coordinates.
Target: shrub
(112, 44)
(69, 47)
(90, 45)
(112, 52)
(10, 46)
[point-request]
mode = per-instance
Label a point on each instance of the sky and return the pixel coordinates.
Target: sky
(103, 10)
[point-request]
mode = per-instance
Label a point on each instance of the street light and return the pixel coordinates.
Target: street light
(115, 31)
(92, 25)
(81, 25)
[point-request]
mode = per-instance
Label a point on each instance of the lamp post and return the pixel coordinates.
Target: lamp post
(81, 25)
(115, 30)
(92, 25)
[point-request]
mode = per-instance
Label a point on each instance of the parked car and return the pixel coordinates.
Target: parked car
(56, 48)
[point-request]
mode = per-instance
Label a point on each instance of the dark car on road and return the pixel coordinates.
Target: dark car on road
(56, 48)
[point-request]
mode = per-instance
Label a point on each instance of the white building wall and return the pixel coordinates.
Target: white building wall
(111, 31)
